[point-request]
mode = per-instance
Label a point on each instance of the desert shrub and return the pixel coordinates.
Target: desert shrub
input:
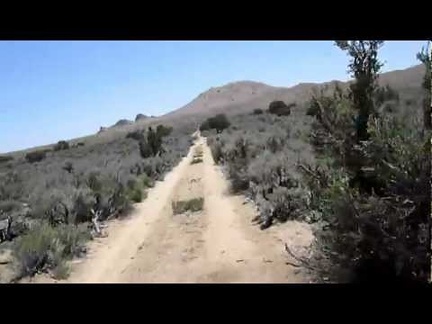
(136, 195)
(12, 186)
(238, 178)
(8, 206)
(198, 152)
(61, 271)
(152, 144)
(99, 181)
(182, 206)
(120, 201)
(61, 145)
(216, 149)
(35, 156)
(425, 57)
(263, 165)
(258, 111)
(409, 102)
(5, 158)
(94, 182)
(372, 195)
(47, 247)
(280, 108)
(145, 149)
(135, 190)
(389, 107)
(136, 135)
(163, 131)
(154, 140)
(80, 144)
(237, 155)
(196, 160)
(276, 188)
(205, 126)
(218, 122)
(82, 205)
(147, 181)
(68, 167)
(384, 94)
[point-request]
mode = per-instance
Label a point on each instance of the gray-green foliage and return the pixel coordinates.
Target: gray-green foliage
(51, 196)
(182, 206)
(46, 247)
(372, 196)
(364, 66)
(425, 57)
(262, 164)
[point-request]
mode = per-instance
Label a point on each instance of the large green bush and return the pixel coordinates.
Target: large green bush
(218, 122)
(280, 108)
(62, 145)
(372, 193)
(35, 156)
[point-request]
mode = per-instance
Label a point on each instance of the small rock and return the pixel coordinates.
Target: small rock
(240, 260)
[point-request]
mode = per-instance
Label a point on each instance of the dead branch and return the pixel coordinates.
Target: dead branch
(293, 264)
(308, 171)
(95, 221)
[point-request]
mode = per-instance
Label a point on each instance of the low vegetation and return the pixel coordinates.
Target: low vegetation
(259, 157)
(354, 162)
(46, 247)
(196, 160)
(192, 205)
(36, 156)
(53, 202)
(62, 145)
(197, 157)
(5, 158)
(280, 108)
(372, 190)
(258, 111)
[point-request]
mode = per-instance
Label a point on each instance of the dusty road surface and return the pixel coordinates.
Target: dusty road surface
(218, 244)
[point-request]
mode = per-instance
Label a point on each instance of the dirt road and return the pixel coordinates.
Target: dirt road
(217, 244)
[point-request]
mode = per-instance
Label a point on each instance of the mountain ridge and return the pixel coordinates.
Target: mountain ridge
(244, 96)
(238, 94)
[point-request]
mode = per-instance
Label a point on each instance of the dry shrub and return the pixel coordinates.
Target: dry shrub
(182, 206)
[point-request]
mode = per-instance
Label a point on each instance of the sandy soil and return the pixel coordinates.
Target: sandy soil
(216, 245)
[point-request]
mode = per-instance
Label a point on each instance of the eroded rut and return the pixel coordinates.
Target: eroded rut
(216, 244)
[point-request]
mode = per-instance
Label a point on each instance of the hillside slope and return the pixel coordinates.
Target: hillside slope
(245, 96)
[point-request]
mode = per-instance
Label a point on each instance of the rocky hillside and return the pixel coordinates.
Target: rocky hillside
(245, 96)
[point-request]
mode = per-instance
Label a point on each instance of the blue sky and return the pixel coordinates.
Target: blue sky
(54, 90)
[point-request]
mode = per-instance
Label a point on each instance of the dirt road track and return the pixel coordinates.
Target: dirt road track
(218, 244)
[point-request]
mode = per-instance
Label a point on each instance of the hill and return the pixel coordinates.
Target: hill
(245, 96)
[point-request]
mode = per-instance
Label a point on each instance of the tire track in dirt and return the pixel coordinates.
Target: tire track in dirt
(239, 251)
